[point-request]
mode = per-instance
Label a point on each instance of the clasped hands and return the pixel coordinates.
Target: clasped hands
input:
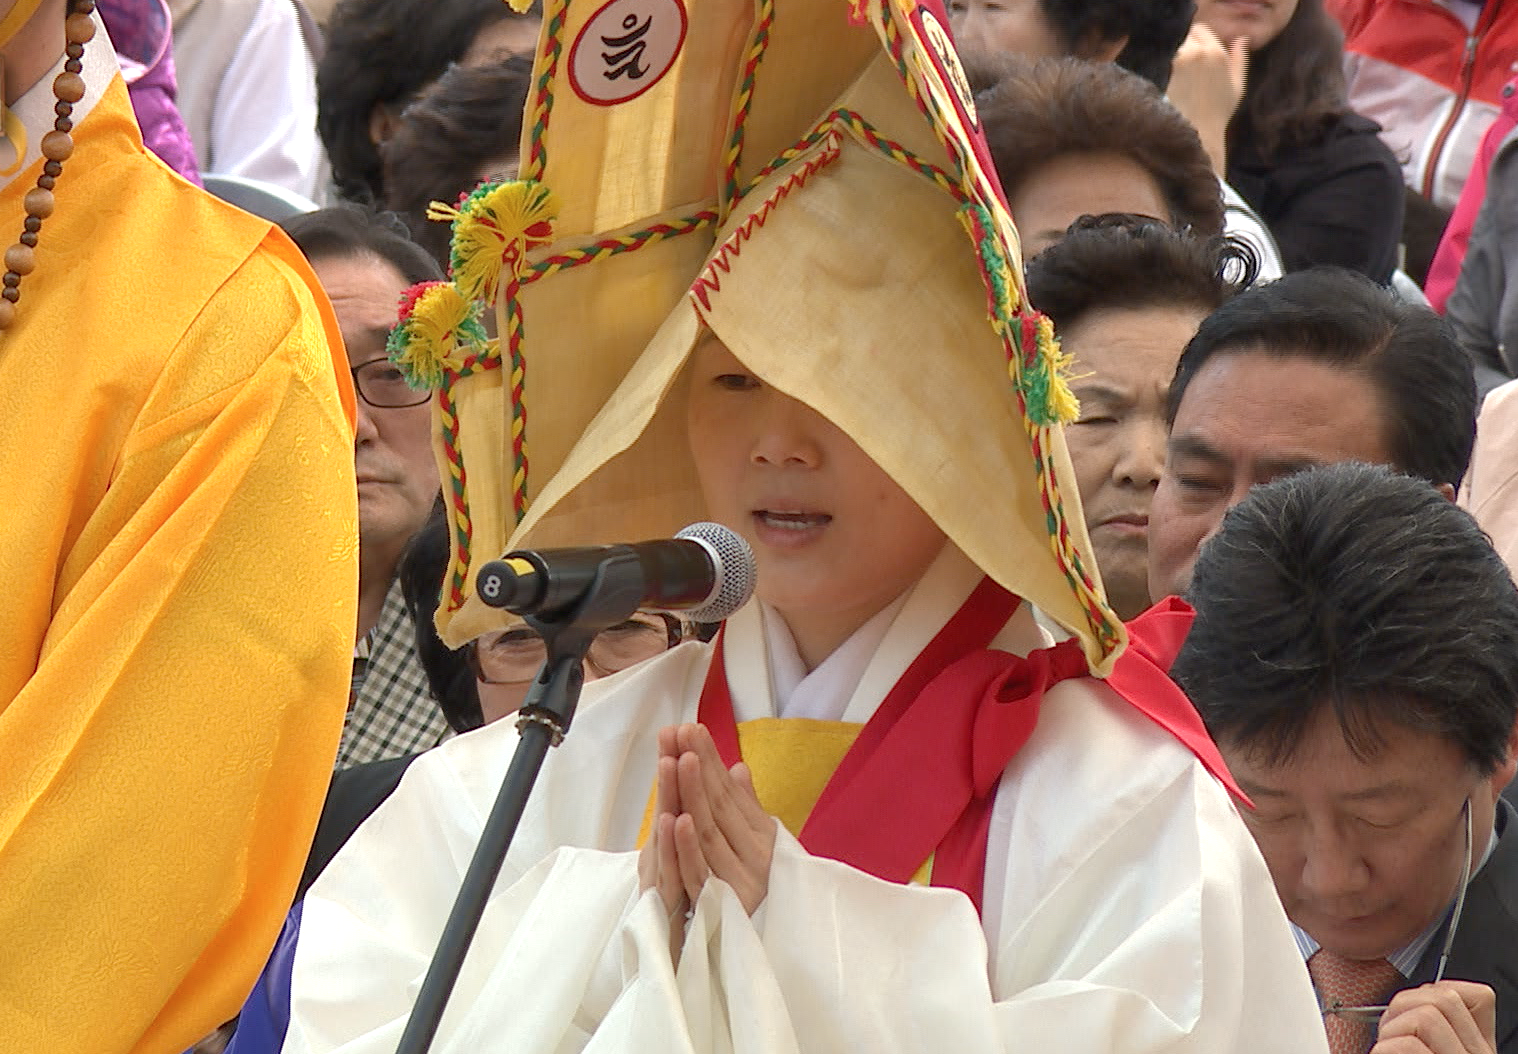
(707, 822)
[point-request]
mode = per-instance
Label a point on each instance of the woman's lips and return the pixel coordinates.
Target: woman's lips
(789, 528)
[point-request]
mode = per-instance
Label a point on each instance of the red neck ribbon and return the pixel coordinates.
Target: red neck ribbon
(921, 778)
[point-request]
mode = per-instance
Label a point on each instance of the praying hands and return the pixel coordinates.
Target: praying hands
(708, 822)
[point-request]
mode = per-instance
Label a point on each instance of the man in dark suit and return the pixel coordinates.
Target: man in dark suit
(1355, 655)
(1486, 941)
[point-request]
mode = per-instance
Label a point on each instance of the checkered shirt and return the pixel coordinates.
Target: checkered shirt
(392, 710)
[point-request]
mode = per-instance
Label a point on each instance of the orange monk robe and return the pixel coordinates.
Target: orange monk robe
(178, 569)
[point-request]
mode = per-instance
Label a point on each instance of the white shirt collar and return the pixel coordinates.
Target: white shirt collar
(822, 694)
(766, 677)
(35, 107)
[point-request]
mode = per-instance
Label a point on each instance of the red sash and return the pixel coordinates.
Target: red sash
(921, 779)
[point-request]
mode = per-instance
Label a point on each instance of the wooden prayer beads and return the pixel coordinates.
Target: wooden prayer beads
(57, 147)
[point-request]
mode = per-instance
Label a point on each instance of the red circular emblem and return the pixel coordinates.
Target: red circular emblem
(625, 49)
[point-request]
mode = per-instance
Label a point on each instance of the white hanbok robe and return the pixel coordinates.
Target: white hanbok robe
(1126, 907)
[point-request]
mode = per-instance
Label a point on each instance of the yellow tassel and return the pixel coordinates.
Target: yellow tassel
(441, 210)
(438, 329)
(519, 6)
(495, 227)
(1063, 405)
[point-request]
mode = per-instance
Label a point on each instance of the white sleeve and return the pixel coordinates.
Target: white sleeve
(263, 125)
(1131, 913)
(571, 958)
(370, 922)
(1166, 937)
(567, 952)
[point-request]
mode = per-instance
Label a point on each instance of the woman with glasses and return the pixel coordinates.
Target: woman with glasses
(506, 662)
(487, 679)
(476, 685)
(473, 686)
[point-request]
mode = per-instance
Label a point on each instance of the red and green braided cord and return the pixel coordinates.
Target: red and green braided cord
(745, 97)
(542, 98)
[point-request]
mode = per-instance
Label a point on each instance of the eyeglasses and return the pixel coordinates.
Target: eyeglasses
(1373, 1013)
(515, 656)
(383, 386)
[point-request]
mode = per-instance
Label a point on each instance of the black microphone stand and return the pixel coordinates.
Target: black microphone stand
(542, 722)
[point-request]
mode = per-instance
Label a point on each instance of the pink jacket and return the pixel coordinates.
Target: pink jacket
(1445, 269)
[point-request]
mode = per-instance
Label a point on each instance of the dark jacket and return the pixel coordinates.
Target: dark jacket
(352, 796)
(1486, 941)
(1335, 200)
(1483, 308)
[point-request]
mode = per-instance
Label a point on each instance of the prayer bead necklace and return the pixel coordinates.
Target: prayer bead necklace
(57, 147)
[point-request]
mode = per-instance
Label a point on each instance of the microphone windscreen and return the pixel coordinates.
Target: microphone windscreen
(736, 571)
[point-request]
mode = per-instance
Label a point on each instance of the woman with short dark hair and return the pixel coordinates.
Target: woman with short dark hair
(1126, 294)
(381, 54)
(462, 130)
(1070, 137)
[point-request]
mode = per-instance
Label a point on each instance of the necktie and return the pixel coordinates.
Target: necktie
(1351, 982)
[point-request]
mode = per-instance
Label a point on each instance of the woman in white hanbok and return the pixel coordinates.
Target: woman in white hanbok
(945, 833)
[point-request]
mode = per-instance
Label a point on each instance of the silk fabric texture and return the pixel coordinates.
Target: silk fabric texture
(177, 590)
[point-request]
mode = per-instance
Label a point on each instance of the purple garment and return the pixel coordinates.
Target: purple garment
(142, 33)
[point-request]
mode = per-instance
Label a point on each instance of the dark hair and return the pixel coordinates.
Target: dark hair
(1054, 107)
(1294, 85)
(1353, 587)
(986, 69)
(472, 114)
(381, 53)
(343, 231)
(421, 571)
(1154, 28)
(1132, 262)
(1343, 319)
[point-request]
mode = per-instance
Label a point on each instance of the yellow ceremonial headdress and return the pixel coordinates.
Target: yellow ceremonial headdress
(806, 179)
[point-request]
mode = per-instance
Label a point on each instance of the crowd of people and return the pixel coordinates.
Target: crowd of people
(1117, 398)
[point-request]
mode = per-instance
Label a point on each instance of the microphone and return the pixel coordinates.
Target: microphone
(706, 571)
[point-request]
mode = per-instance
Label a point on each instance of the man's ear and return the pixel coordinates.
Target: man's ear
(382, 124)
(1096, 48)
(1508, 767)
(1448, 490)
